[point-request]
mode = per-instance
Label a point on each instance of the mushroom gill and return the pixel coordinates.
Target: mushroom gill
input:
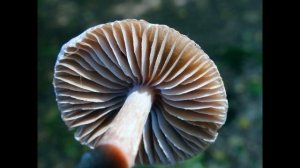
(142, 85)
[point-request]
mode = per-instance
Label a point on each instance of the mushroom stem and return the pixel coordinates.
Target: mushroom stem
(125, 131)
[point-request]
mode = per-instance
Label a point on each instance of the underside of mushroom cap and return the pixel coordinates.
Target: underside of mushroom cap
(96, 70)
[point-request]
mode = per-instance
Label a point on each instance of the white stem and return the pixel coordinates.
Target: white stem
(126, 129)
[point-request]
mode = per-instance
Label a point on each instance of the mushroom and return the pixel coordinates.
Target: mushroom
(144, 90)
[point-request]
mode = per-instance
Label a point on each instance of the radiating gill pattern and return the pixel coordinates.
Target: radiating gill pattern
(95, 71)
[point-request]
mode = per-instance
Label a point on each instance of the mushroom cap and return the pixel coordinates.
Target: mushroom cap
(96, 70)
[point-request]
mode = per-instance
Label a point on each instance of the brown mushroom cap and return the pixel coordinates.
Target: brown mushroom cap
(95, 72)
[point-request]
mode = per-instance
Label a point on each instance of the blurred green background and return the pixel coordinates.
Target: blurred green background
(230, 32)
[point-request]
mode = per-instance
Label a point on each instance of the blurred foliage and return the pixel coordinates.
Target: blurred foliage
(230, 32)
